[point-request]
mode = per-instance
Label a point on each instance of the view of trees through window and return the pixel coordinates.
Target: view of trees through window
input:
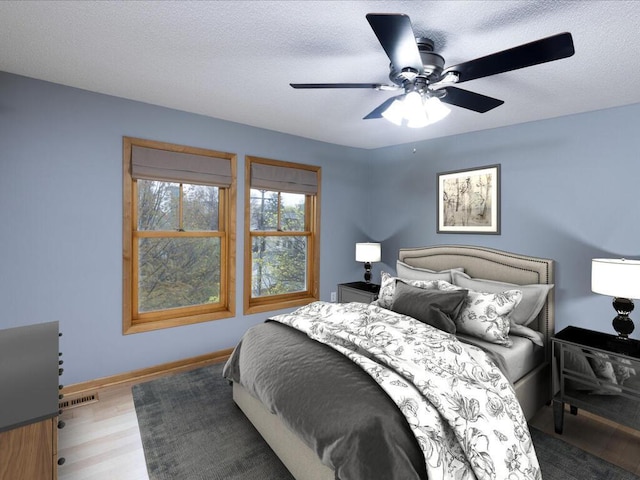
(178, 245)
(279, 236)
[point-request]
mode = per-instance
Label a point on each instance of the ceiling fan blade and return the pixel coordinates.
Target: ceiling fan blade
(541, 51)
(377, 86)
(377, 112)
(470, 100)
(396, 36)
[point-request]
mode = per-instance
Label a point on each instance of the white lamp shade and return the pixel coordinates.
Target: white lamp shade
(616, 277)
(395, 112)
(367, 252)
(436, 110)
(416, 110)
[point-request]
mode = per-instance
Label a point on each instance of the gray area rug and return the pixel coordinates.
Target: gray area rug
(192, 430)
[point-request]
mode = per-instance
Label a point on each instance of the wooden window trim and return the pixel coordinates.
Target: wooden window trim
(132, 323)
(312, 219)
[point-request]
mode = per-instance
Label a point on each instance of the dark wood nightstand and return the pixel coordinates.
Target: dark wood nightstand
(573, 350)
(362, 292)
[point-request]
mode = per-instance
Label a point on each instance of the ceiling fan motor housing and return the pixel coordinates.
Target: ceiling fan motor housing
(433, 64)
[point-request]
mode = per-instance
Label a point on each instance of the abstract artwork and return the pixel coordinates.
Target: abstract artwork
(469, 201)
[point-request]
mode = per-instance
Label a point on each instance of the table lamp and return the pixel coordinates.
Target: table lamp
(367, 253)
(618, 278)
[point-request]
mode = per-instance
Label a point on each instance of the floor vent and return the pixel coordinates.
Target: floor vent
(78, 401)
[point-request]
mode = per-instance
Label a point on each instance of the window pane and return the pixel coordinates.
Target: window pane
(157, 205)
(292, 214)
(178, 272)
(200, 208)
(264, 210)
(279, 265)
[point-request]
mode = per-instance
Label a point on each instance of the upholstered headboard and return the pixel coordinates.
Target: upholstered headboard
(481, 262)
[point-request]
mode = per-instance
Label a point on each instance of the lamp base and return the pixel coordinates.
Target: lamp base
(367, 272)
(622, 324)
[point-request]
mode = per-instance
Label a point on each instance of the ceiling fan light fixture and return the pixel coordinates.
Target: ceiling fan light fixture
(395, 112)
(415, 110)
(436, 110)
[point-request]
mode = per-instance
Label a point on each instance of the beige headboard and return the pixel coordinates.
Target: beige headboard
(481, 262)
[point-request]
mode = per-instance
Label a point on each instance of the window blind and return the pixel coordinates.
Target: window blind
(284, 179)
(156, 164)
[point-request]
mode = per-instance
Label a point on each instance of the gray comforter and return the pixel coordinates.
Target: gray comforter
(333, 405)
(460, 409)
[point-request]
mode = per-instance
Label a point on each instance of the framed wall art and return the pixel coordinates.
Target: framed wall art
(469, 200)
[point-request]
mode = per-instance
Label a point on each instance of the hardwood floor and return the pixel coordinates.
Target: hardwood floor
(615, 443)
(101, 441)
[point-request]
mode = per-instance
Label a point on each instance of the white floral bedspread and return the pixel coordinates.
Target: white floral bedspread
(461, 408)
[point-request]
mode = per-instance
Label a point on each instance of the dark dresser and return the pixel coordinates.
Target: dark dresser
(30, 366)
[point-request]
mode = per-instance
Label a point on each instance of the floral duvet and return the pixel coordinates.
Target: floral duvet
(460, 407)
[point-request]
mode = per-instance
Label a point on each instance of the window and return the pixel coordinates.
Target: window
(282, 249)
(179, 219)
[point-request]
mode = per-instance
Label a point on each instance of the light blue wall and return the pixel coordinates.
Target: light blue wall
(569, 192)
(61, 218)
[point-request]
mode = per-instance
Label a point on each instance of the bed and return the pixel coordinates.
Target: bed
(349, 393)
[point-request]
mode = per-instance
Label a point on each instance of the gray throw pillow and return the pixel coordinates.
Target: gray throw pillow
(388, 288)
(433, 307)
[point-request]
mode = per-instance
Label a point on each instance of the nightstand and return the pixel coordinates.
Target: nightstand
(574, 349)
(362, 292)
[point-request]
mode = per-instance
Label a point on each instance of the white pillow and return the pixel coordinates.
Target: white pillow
(407, 272)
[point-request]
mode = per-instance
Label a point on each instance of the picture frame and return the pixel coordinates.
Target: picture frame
(469, 200)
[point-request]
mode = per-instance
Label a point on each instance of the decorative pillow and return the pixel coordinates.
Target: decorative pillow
(388, 287)
(623, 372)
(601, 367)
(608, 371)
(433, 307)
(486, 315)
(533, 296)
(604, 371)
(578, 363)
(407, 272)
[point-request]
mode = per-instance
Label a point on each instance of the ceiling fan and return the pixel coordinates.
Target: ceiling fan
(416, 69)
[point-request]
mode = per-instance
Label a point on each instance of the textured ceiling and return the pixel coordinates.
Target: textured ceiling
(234, 60)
